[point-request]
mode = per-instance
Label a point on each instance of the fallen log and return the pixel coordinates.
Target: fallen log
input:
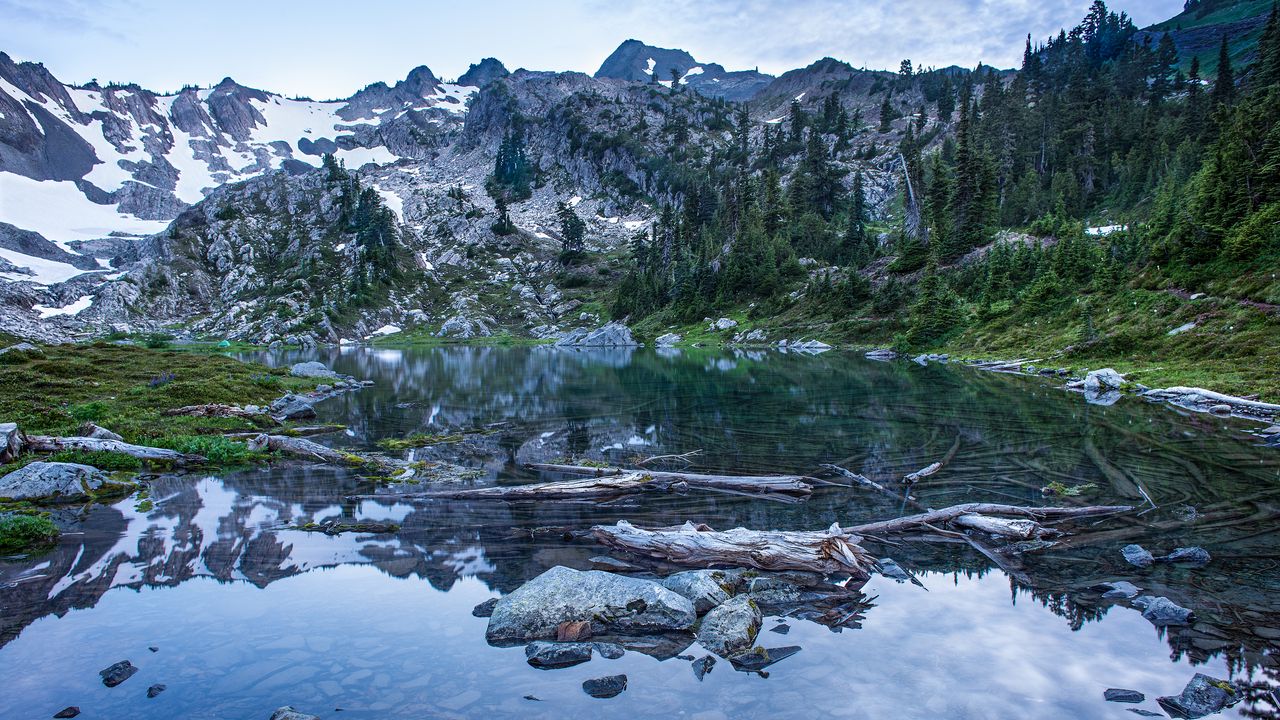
(306, 449)
(216, 410)
(608, 486)
(914, 523)
(1120, 481)
(1019, 529)
(833, 550)
(50, 444)
(793, 485)
(932, 468)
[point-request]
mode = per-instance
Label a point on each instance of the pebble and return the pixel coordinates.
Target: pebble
(1120, 695)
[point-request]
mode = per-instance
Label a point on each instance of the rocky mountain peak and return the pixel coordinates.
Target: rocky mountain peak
(483, 73)
(637, 62)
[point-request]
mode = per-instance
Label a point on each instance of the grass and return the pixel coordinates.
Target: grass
(23, 532)
(418, 440)
(127, 388)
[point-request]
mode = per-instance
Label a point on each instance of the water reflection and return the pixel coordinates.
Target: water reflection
(311, 613)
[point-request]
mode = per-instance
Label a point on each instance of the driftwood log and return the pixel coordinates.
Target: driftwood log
(827, 551)
(835, 549)
(796, 486)
(305, 449)
(580, 489)
(50, 444)
(217, 410)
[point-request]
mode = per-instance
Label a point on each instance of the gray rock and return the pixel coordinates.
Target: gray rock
(667, 340)
(1121, 695)
(881, 354)
(731, 627)
(1203, 695)
(703, 665)
(484, 609)
(704, 588)
(1145, 713)
(155, 690)
(604, 562)
(323, 388)
(293, 407)
(23, 347)
(552, 655)
(609, 602)
(1137, 556)
(724, 324)
(10, 442)
(117, 673)
(1101, 380)
(288, 713)
(56, 481)
(1220, 409)
(605, 687)
(1187, 555)
(1162, 611)
(920, 359)
(68, 712)
(312, 369)
(614, 334)
(1120, 590)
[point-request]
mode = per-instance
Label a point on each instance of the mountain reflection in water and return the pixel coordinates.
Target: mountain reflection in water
(248, 614)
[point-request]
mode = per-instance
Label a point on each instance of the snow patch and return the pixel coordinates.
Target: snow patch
(61, 213)
(75, 308)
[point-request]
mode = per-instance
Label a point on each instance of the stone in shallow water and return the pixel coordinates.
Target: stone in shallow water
(1137, 556)
(610, 602)
(311, 369)
(1121, 695)
(704, 588)
(892, 570)
(1203, 695)
(1162, 611)
(288, 713)
(731, 627)
(761, 658)
(605, 687)
(68, 712)
(549, 655)
(1121, 590)
(1188, 555)
(155, 690)
(118, 673)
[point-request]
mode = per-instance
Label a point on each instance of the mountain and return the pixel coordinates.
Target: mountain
(636, 62)
(1198, 30)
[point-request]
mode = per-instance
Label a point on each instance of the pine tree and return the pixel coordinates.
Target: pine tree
(573, 231)
(1224, 86)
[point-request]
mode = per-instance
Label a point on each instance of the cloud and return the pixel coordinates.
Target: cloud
(66, 17)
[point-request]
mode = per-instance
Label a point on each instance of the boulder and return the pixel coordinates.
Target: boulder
(56, 481)
(1099, 381)
(704, 588)
(484, 609)
(605, 687)
(667, 340)
(1137, 556)
(117, 673)
(703, 665)
(730, 628)
(292, 407)
(551, 655)
(1162, 611)
(611, 603)
(614, 334)
(1203, 695)
(23, 347)
(724, 324)
(288, 713)
(311, 369)
(156, 689)
(1121, 695)
(10, 442)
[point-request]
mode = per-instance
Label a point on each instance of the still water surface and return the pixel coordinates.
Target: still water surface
(247, 615)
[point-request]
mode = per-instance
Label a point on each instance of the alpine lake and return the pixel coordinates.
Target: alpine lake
(212, 590)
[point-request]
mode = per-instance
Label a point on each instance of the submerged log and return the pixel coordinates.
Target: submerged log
(792, 485)
(1120, 481)
(585, 488)
(49, 444)
(833, 550)
(922, 521)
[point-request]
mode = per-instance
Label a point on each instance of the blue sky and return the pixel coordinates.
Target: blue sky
(330, 48)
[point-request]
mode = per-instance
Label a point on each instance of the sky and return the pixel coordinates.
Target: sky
(328, 49)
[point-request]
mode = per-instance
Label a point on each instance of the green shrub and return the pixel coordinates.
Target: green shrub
(103, 460)
(90, 411)
(19, 532)
(217, 449)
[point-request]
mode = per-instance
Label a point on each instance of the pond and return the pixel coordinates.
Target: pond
(210, 593)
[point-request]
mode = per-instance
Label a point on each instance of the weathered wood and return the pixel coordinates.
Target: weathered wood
(913, 523)
(868, 482)
(1120, 481)
(793, 485)
(932, 468)
(49, 444)
(11, 442)
(306, 449)
(833, 550)
(584, 488)
(1015, 529)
